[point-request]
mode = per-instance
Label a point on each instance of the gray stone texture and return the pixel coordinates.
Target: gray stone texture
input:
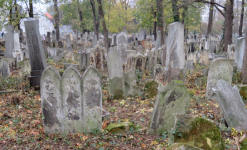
(231, 105)
(175, 56)
(172, 98)
(122, 45)
(219, 69)
(71, 103)
(239, 53)
(9, 41)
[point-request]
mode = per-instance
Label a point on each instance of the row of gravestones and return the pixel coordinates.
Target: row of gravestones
(71, 103)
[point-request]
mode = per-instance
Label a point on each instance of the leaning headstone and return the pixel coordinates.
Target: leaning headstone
(92, 99)
(36, 51)
(122, 45)
(172, 98)
(115, 70)
(158, 40)
(231, 105)
(9, 41)
(219, 69)
(175, 56)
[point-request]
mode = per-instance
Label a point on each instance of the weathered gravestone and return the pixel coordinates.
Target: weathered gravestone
(175, 56)
(5, 71)
(195, 131)
(159, 72)
(122, 45)
(231, 51)
(71, 104)
(231, 105)
(94, 40)
(36, 51)
(115, 70)
(130, 84)
(172, 98)
(158, 40)
(60, 44)
(68, 43)
(49, 38)
(84, 60)
(9, 41)
(17, 53)
(219, 69)
(75, 45)
(239, 53)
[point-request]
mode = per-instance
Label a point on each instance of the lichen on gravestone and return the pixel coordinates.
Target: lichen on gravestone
(197, 132)
(172, 98)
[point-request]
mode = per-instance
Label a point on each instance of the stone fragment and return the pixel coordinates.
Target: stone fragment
(120, 128)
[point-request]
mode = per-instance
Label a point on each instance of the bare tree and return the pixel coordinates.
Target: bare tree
(56, 17)
(160, 19)
(101, 13)
(210, 18)
(241, 19)
(96, 18)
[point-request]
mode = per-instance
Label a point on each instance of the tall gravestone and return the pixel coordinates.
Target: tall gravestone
(175, 56)
(17, 53)
(92, 99)
(9, 41)
(49, 38)
(68, 43)
(122, 45)
(158, 40)
(53, 36)
(4, 67)
(172, 98)
(239, 53)
(36, 51)
(231, 105)
(115, 70)
(94, 40)
(84, 60)
(219, 69)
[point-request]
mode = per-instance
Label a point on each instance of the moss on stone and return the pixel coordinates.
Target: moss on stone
(118, 94)
(203, 134)
(182, 146)
(243, 92)
(119, 128)
(151, 89)
(244, 144)
(179, 81)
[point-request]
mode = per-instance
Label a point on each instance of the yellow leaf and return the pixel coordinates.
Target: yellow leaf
(209, 142)
(154, 143)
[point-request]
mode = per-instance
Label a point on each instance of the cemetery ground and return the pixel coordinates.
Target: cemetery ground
(21, 125)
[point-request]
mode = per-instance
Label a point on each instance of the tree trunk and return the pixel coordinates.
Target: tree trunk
(95, 19)
(228, 24)
(244, 65)
(10, 16)
(31, 8)
(175, 10)
(56, 17)
(160, 19)
(241, 20)
(210, 18)
(101, 13)
(155, 24)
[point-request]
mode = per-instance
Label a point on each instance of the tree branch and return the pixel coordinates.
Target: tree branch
(219, 11)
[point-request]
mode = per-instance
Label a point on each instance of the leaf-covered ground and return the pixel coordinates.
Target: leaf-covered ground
(21, 125)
